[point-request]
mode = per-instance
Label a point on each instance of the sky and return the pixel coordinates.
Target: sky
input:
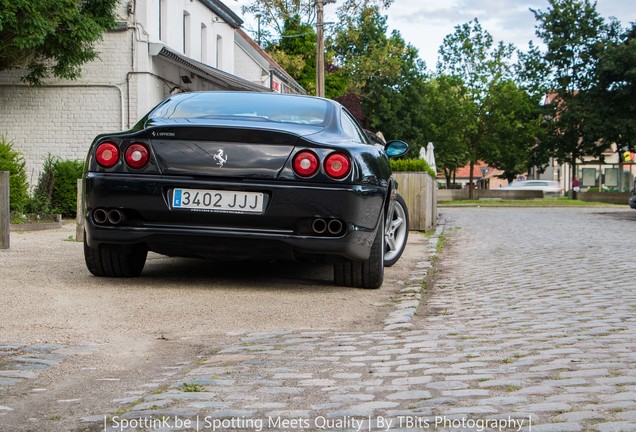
(425, 23)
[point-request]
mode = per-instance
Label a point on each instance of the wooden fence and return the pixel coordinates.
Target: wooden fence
(419, 191)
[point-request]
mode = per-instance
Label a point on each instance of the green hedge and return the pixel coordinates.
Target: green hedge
(411, 165)
(56, 191)
(12, 161)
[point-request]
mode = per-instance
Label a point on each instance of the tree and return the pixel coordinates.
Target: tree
(272, 14)
(471, 55)
(615, 93)
(295, 51)
(574, 34)
(446, 110)
(514, 124)
(364, 51)
(385, 75)
(52, 37)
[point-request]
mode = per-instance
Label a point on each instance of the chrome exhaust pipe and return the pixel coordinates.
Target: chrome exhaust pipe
(115, 217)
(100, 216)
(319, 226)
(334, 226)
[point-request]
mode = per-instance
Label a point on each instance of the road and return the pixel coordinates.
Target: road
(530, 324)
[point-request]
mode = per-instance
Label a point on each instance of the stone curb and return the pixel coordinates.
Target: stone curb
(410, 297)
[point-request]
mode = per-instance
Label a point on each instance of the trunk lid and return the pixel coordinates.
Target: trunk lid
(224, 150)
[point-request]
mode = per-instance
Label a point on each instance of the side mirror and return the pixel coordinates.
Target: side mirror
(396, 148)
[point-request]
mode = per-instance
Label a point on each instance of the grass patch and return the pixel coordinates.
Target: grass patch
(545, 202)
(441, 241)
(191, 388)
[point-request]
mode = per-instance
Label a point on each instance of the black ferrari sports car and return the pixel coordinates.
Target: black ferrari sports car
(240, 175)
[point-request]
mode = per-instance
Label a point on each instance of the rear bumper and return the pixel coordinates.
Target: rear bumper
(283, 230)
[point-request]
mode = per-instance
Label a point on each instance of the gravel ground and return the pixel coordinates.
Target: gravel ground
(49, 296)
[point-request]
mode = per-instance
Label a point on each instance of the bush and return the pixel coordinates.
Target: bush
(56, 191)
(412, 165)
(65, 175)
(12, 161)
(40, 202)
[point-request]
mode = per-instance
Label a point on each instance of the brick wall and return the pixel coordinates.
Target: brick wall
(61, 118)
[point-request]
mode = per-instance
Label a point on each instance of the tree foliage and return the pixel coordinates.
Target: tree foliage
(52, 37)
(273, 14)
(575, 36)
(614, 96)
(386, 75)
(13, 162)
(295, 51)
(471, 55)
(368, 56)
(446, 108)
(514, 120)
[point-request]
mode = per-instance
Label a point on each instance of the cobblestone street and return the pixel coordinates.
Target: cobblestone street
(526, 321)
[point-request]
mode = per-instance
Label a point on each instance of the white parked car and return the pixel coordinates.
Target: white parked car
(549, 187)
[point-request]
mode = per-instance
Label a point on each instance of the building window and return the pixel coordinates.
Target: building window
(186, 33)
(219, 52)
(163, 15)
(204, 43)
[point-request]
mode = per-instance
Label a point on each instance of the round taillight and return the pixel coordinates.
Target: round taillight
(137, 156)
(306, 164)
(337, 166)
(107, 154)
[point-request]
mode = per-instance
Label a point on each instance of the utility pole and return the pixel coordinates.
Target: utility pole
(320, 46)
(258, 34)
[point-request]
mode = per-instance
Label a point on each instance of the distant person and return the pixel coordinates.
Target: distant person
(576, 184)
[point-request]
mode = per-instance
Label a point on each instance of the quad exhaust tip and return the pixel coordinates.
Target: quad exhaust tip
(104, 216)
(332, 227)
(115, 217)
(100, 216)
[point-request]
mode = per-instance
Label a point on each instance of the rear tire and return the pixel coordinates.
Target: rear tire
(397, 232)
(110, 262)
(364, 274)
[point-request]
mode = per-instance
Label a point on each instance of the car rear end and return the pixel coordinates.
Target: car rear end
(239, 195)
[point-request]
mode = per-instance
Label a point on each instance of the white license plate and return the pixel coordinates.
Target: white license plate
(218, 200)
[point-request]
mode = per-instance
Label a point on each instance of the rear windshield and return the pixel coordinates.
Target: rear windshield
(245, 106)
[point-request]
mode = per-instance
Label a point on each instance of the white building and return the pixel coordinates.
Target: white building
(159, 47)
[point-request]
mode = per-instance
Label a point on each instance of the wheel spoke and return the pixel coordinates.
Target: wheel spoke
(390, 242)
(396, 223)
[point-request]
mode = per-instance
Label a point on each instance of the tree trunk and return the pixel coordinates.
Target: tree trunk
(447, 175)
(471, 189)
(572, 175)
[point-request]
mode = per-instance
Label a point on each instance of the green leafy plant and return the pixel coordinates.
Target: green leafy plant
(65, 176)
(13, 162)
(40, 202)
(191, 388)
(56, 191)
(416, 165)
(52, 38)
